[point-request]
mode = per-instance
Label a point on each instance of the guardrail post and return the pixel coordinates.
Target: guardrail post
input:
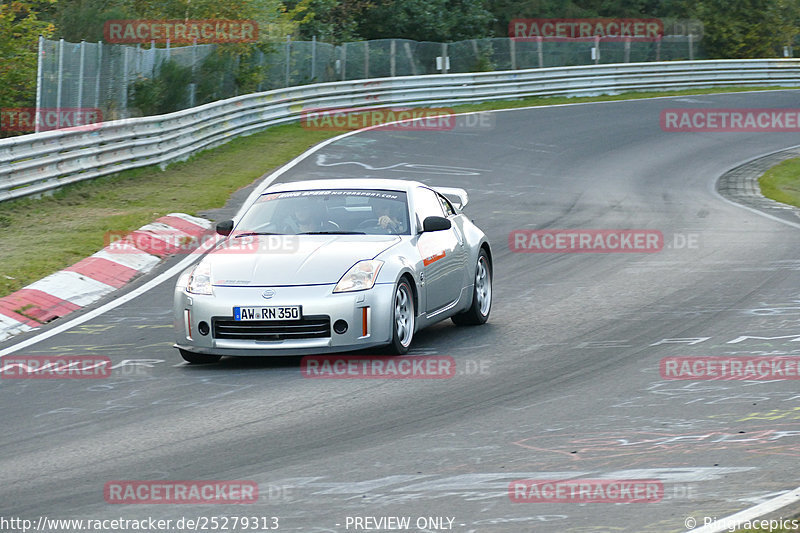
(36, 119)
(392, 58)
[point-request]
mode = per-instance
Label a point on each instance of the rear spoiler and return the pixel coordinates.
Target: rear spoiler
(458, 197)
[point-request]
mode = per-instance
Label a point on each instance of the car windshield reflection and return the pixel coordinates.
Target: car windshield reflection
(328, 212)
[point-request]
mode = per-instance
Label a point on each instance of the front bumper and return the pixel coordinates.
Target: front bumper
(367, 313)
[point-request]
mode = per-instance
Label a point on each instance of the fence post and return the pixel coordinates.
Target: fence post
(512, 44)
(392, 58)
(313, 57)
(124, 110)
(366, 59)
(627, 50)
(344, 61)
(444, 58)
(288, 46)
(193, 85)
(540, 51)
(60, 76)
(596, 49)
(691, 47)
(39, 67)
(411, 61)
(658, 48)
(80, 74)
(99, 73)
(261, 68)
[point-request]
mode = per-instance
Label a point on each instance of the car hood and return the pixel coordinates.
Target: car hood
(292, 260)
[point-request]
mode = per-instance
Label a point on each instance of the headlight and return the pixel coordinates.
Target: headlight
(360, 277)
(200, 280)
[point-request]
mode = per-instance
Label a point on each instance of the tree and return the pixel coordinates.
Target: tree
(331, 21)
(738, 29)
(426, 20)
(19, 33)
(83, 20)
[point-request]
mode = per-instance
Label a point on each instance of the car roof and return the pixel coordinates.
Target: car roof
(346, 183)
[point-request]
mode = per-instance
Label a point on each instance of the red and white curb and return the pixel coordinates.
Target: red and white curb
(92, 278)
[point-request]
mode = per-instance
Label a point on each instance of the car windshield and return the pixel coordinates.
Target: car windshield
(332, 211)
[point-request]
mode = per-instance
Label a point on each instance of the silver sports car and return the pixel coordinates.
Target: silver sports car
(334, 265)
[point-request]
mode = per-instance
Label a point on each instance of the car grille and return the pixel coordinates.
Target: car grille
(310, 327)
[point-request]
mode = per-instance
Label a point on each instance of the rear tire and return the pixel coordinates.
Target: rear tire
(403, 316)
(198, 358)
(478, 313)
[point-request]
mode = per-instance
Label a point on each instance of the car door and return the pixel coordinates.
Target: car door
(442, 263)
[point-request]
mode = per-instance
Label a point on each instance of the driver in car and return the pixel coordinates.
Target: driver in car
(310, 219)
(390, 216)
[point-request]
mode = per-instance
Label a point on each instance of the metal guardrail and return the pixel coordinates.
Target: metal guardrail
(32, 164)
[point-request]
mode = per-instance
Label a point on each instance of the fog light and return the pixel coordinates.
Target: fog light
(340, 326)
(203, 328)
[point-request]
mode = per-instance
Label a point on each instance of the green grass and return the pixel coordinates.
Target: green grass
(41, 236)
(782, 182)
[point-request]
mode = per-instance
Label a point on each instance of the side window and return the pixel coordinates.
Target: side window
(447, 206)
(426, 204)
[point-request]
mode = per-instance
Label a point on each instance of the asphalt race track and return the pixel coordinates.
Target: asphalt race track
(563, 381)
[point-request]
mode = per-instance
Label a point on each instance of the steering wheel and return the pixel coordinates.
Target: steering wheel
(369, 223)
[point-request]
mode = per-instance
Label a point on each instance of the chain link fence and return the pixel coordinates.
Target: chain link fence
(108, 76)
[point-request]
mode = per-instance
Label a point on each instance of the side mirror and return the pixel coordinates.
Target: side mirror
(225, 228)
(435, 224)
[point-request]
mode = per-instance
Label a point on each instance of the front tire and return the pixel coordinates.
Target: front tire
(478, 313)
(403, 316)
(198, 358)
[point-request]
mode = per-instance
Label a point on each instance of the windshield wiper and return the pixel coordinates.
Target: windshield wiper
(249, 233)
(332, 233)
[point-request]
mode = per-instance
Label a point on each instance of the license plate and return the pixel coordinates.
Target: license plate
(278, 312)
